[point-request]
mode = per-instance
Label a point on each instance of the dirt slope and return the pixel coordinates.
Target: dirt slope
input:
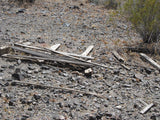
(75, 25)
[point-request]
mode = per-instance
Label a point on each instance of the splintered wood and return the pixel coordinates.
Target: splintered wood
(51, 54)
(148, 59)
(4, 50)
(117, 56)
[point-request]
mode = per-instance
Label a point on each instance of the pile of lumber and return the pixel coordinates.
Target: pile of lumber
(41, 54)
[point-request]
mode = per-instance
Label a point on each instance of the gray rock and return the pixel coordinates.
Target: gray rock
(41, 41)
(58, 117)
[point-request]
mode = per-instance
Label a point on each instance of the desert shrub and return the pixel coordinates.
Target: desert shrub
(145, 17)
(111, 4)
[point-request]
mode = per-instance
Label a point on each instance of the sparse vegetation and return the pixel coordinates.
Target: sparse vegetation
(109, 4)
(145, 17)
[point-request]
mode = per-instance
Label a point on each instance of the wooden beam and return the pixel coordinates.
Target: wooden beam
(23, 57)
(152, 62)
(45, 55)
(53, 51)
(4, 50)
(87, 51)
(117, 56)
(55, 47)
(74, 55)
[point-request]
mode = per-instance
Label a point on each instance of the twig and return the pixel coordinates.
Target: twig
(55, 87)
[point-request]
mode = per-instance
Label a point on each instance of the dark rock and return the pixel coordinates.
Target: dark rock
(8, 79)
(20, 11)
(1, 69)
(29, 102)
(37, 96)
(23, 100)
(116, 72)
(74, 7)
(45, 68)
(148, 70)
(6, 84)
(11, 67)
(17, 76)
(153, 117)
(92, 117)
(11, 103)
(30, 109)
(4, 66)
(41, 41)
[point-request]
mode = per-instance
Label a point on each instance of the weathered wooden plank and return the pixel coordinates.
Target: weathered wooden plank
(4, 50)
(55, 47)
(74, 55)
(87, 51)
(22, 57)
(152, 62)
(117, 56)
(146, 108)
(31, 47)
(40, 54)
(53, 51)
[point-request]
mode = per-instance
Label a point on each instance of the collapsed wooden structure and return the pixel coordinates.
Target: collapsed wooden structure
(51, 54)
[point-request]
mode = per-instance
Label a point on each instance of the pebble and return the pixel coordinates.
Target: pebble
(29, 71)
(41, 41)
(11, 103)
(37, 96)
(19, 62)
(17, 76)
(58, 117)
(46, 72)
(148, 70)
(119, 107)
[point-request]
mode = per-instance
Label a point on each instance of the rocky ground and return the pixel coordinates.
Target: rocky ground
(75, 25)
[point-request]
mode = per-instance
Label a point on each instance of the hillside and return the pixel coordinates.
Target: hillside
(114, 92)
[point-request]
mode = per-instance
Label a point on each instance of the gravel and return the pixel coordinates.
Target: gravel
(75, 25)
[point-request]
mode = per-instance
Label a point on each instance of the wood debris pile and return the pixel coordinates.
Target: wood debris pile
(39, 54)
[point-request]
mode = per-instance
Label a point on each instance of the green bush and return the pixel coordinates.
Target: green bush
(145, 17)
